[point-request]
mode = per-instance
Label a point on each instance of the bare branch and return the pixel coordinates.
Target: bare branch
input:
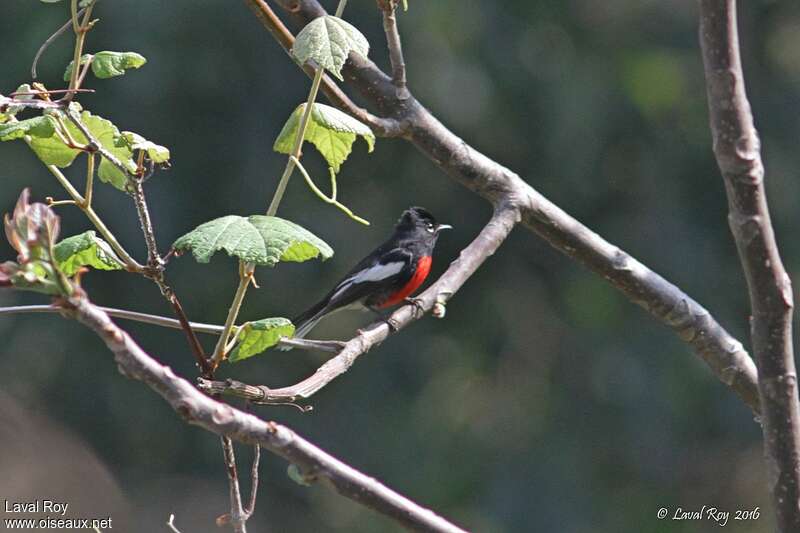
(251, 506)
(237, 517)
(156, 320)
(7, 102)
(154, 260)
(197, 408)
(49, 41)
(389, 8)
(724, 354)
(171, 524)
(737, 148)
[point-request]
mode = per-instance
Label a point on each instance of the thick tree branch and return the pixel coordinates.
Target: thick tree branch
(198, 409)
(692, 323)
(471, 258)
(737, 149)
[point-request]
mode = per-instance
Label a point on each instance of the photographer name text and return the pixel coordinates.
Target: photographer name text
(37, 506)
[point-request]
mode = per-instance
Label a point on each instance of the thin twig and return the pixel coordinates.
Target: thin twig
(49, 92)
(238, 518)
(171, 524)
(49, 41)
(737, 149)
(6, 102)
(199, 409)
(80, 27)
(156, 320)
(251, 506)
(154, 260)
(389, 8)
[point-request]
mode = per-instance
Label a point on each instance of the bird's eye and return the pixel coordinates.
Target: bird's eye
(429, 226)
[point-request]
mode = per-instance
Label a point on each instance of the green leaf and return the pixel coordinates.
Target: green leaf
(258, 239)
(53, 151)
(37, 127)
(12, 110)
(255, 337)
(108, 64)
(86, 249)
(328, 41)
(68, 70)
(134, 141)
(330, 130)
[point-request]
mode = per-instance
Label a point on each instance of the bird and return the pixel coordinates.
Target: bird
(385, 277)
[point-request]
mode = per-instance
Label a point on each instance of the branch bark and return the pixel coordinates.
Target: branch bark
(737, 149)
(724, 354)
(237, 517)
(198, 409)
(389, 9)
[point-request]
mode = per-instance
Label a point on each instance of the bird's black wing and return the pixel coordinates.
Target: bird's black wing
(362, 281)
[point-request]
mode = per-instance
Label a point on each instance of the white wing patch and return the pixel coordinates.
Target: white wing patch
(374, 273)
(378, 272)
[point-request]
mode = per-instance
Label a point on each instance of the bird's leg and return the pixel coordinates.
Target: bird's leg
(418, 304)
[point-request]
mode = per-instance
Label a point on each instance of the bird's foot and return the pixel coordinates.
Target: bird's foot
(419, 306)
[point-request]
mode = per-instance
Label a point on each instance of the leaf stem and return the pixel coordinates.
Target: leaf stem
(321, 195)
(49, 41)
(80, 28)
(301, 131)
(87, 197)
(245, 277)
(298, 144)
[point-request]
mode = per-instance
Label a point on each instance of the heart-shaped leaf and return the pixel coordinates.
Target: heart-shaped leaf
(258, 239)
(330, 130)
(328, 40)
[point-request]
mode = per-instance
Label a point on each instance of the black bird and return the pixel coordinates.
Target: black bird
(387, 276)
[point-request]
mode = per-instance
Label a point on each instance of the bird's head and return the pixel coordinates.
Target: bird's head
(419, 221)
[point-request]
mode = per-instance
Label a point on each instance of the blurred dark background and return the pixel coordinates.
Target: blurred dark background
(545, 401)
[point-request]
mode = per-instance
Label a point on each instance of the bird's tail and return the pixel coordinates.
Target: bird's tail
(305, 322)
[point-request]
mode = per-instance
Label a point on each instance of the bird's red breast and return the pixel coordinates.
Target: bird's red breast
(421, 272)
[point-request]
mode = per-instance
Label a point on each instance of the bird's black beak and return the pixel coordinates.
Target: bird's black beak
(440, 227)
